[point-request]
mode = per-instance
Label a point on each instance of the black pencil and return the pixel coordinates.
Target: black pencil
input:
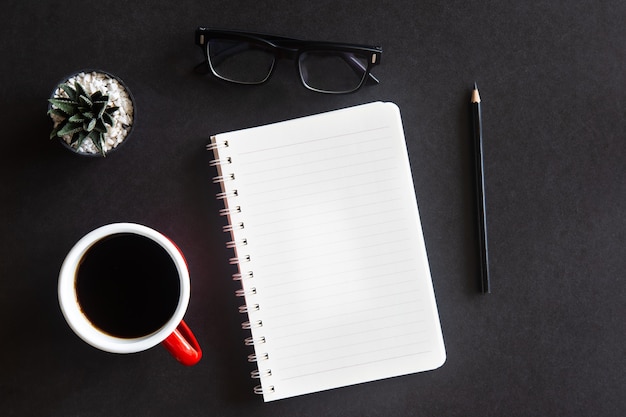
(485, 282)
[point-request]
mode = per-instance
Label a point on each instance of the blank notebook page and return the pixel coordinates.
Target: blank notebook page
(328, 239)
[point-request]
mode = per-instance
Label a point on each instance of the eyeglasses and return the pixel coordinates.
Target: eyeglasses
(250, 58)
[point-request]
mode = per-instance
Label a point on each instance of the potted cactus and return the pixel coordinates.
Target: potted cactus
(92, 113)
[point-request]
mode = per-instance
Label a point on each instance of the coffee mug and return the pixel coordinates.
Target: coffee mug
(124, 288)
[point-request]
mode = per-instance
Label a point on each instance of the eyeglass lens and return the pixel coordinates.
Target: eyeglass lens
(240, 61)
(247, 62)
(332, 71)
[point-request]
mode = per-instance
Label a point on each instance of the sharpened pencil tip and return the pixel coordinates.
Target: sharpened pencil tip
(475, 94)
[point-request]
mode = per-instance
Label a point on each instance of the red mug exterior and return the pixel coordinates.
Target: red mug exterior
(174, 335)
(183, 346)
(182, 343)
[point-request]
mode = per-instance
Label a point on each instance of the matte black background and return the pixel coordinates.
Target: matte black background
(550, 339)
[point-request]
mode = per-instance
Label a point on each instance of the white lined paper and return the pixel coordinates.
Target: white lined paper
(334, 240)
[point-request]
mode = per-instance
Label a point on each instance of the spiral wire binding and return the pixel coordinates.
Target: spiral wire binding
(231, 209)
(259, 374)
(234, 243)
(237, 261)
(250, 341)
(224, 196)
(254, 307)
(223, 178)
(260, 390)
(244, 293)
(253, 357)
(247, 325)
(238, 276)
(217, 145)
(230, 227)
(216, 162)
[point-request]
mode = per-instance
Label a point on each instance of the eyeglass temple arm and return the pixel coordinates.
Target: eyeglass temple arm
(371, 78)
(359, 67)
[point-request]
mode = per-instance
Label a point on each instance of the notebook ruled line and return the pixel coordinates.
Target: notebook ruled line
(361, 275)
(353, 295)
(354, 299)
(349, 340)
(315, 163)
(313, 258)
(324, 138)
(330, 275)
(328, 223)
(351, 313)
(293, 273)
(316, 174)
(336, 202)
(326, 232)
(294, 248)
(355, 365)
(327, 351)
(304, 191)
(347, 334)
(250, 161)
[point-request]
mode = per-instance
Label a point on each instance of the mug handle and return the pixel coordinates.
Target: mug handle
(183, 346)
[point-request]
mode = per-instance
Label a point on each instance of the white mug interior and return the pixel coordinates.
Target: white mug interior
(81, 325)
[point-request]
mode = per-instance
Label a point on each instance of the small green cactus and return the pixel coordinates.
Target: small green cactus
(81, 116)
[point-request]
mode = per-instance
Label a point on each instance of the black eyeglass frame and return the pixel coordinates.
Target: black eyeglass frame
(291, 48)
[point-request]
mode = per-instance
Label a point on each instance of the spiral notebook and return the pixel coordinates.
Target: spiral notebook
(326, 234)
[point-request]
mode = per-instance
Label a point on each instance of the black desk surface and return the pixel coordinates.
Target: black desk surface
(550, 339)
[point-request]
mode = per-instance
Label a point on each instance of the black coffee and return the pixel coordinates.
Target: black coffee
(127, 285)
